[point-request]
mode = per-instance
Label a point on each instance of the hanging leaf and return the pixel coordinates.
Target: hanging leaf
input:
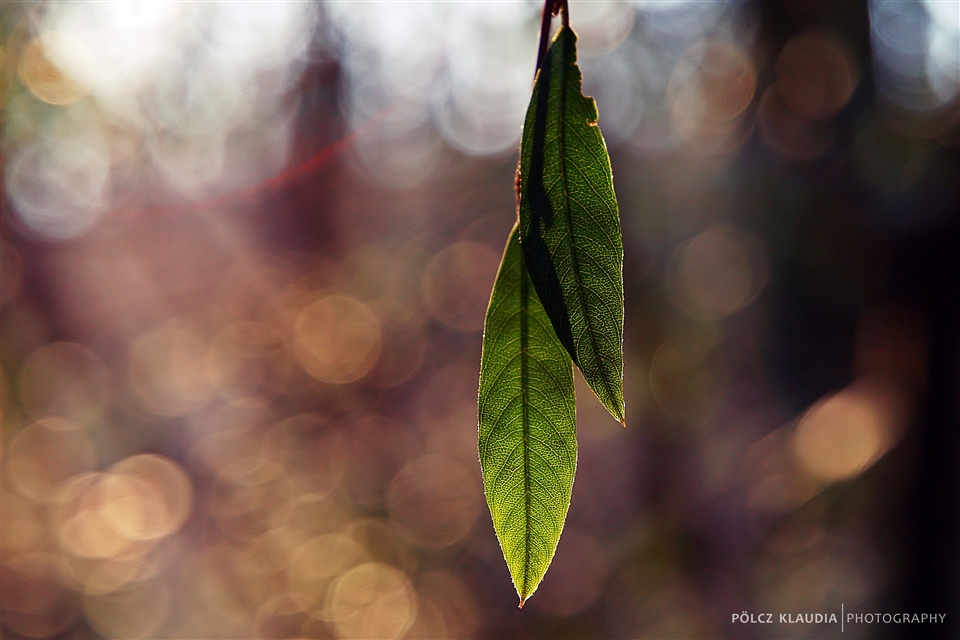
(528, 430)
(570, 224)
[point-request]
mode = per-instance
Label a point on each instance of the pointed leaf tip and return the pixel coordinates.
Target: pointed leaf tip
(527, 423)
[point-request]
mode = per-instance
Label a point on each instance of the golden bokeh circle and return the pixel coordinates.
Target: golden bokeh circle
(46, 454)
(314, 566)
(840, 436)
(373, 600)
(145, 497)
(38, 68)
(337, 339)
(168, 370)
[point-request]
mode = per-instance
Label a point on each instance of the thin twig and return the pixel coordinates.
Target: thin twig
(550, 9)
(548, 13)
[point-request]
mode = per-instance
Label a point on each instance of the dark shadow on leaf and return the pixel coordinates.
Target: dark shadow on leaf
(536, 253)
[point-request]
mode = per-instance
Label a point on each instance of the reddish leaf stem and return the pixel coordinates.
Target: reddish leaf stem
(550, 9)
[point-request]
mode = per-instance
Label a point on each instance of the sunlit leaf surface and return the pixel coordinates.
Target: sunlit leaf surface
(569, 222)
(528, 432)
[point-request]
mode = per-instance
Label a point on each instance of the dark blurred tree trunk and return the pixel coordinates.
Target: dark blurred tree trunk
(926, 276)
(931, 580)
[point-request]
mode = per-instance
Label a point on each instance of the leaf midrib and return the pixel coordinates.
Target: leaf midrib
(524, 373)
(562, 142)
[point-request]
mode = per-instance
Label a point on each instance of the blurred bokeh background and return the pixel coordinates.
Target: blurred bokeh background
(246, 252)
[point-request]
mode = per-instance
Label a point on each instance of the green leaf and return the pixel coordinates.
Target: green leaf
(528, 428)
(570, 224)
